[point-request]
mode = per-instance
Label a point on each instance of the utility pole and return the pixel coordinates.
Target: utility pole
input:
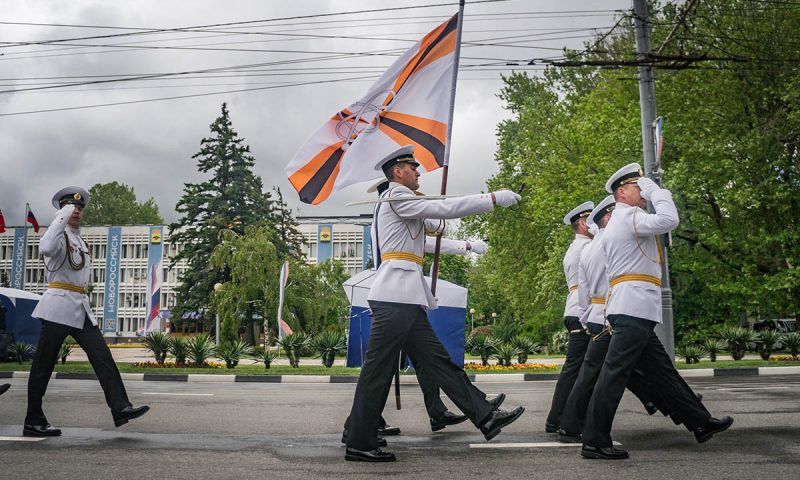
(647, 104)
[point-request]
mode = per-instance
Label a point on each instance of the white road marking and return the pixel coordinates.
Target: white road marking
(750, 388)
(180, 394)
(528, 445)
(21, 439)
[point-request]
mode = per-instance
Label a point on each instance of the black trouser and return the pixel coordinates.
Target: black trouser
(634, 344)
(574, 413)
(576, 349)
(397, 326)
(44, 361)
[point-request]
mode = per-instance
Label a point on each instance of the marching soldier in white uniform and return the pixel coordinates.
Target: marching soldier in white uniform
(578, 338)
(64, 310)
(440, 417)
(592, 291)
(399, 300)
(633, 308)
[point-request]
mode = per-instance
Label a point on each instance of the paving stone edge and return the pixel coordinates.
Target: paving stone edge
(406, 379)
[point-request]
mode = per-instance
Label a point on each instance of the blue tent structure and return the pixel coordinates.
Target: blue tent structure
(448, 321)
(19, 305)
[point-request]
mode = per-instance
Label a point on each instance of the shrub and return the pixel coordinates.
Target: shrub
(201, 348)
(158, 343)
(505, 331)
(738, 340)
(21, 351)
(713, 347)
(558, 343)
(766, 341)
(294, 344)
(232, 352)
(264, 356)
(690, 353)
(179, 348)
(791, 342)
(64, 351)
(482, 345)
(327, 345)
(525, 346)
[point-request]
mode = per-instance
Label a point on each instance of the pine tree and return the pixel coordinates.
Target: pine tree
(232, 198)
(289, 242)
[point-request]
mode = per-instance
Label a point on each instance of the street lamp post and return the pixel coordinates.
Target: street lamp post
(494, 318)
(217, 288)
(472, 319)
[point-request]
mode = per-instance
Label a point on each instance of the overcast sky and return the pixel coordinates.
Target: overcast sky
(149, 145)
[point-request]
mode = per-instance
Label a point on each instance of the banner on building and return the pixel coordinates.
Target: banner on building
(18, 256)
(154, 280)
(111, 294)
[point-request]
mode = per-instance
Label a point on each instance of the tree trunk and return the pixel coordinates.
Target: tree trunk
(484, 359)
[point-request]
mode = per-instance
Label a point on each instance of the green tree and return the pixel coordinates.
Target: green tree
(115, 203)
(231, 199)
(732, 135)
(315, 298)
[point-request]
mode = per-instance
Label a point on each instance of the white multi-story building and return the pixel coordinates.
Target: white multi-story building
(124, 256)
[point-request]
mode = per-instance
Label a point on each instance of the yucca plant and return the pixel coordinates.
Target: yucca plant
(505, 331)
(713, 347)
(690, 353)
(791, 342)
(201, 348)
(525, 346)
(179, 348)
(504, 352)
(264, 356)
(21, 350)
(232, 352)
(482, 345)
(327, 345)
(738, 340)
(766, 341)
(64, 351)
(294, 344)
(158, 343)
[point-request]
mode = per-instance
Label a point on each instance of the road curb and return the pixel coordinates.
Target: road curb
(404, 379)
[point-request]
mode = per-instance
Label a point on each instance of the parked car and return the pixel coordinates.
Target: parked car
(782, 325)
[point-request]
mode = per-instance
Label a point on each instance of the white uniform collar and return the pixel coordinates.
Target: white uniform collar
(73, 230)
(578, 235)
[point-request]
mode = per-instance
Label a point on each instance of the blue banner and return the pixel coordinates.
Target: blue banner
(111, 297)
(18, 256)
(324, 242)
(367, 250)
(154, 254)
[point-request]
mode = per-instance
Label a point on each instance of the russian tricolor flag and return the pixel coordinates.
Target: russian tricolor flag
(31, 218)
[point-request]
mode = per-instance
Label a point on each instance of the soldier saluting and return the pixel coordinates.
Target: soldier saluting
(64, 310)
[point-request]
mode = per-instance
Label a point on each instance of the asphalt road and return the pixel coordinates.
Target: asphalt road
(269, 431)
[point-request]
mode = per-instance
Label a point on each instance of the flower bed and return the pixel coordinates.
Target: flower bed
(173, 365)
(783, 358)
(498, 368)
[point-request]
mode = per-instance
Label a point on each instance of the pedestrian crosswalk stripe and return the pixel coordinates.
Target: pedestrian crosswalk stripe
(21, 439)
(527, 445)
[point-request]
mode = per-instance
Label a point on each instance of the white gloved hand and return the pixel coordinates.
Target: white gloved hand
(593, 229)
(477, 246)
(506, 198)
(647, 186)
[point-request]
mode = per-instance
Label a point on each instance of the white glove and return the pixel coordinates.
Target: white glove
(593, 229)
(647, 186)
(506, 198)
(477, 246)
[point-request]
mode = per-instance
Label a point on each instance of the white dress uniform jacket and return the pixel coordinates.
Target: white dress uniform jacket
(592, 282)
(630, 245)
(571, 259)
(400, 227)
(57, 305)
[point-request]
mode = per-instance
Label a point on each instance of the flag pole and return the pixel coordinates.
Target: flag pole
(446, 166)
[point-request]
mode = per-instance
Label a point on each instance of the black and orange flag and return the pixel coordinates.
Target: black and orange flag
(409, 105)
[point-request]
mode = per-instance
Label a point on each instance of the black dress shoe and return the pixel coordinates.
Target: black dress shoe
(448, 418)
(568, 437)
(498, 420)
(700, 396)
(129, 413)
(377, 455)
(603, 453)
(704, 433)
(496, 400)
(650, 408)
(4, 388)
(387, 430)
(45, 430)
(550, 428)
(381, 440)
